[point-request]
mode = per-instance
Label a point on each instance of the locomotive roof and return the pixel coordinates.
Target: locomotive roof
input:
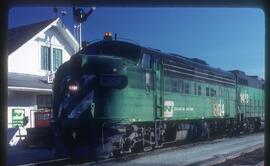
(197, 66)
(243, 79)
(133, 51)
(112, 47)
(200, 65)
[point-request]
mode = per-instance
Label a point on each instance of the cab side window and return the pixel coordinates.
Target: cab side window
(146, 61)
(146, 65)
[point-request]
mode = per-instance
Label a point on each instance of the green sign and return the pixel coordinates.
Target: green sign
(17, 117)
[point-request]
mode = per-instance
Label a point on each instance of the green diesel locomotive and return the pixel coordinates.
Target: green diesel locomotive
(117, 97)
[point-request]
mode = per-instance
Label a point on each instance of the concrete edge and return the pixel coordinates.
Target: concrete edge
(260, 164)
(43, 162)
(222, 158)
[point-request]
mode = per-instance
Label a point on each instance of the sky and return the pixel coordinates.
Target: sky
(226, 38)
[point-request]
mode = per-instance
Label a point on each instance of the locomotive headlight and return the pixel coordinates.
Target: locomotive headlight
(73, 87)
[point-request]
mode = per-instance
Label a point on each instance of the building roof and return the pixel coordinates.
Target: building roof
(19, 35)
(30, 82)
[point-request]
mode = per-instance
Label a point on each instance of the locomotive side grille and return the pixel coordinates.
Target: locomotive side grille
(182, 70)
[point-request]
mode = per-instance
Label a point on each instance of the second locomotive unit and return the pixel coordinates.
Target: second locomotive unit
(118, 97)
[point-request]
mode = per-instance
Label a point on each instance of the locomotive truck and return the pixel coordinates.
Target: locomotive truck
(116, 97)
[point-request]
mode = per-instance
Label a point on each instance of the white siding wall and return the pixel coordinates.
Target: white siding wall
(27, 59)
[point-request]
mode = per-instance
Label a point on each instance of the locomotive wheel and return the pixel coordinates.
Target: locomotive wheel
(257, 124)
(192, 132)
(138, 147)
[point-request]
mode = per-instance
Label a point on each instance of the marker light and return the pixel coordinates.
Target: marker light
(108, 36)
(73, 87)
(108, 33)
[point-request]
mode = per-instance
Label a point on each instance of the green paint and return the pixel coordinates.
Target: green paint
(17, 117)
(250, 101)
(151, 94)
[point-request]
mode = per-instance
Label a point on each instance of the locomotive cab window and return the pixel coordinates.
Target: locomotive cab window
(146, 61)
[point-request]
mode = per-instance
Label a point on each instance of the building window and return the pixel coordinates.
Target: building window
(45, 58)
(49, 62)
(44, 101)
(57, 58)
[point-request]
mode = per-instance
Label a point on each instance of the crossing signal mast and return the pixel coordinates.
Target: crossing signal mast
(79, 17)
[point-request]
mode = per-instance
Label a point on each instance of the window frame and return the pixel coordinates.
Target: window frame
(53, 58)
(149, 61)
(41, 58)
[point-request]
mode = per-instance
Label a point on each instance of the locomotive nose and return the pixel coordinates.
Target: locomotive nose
(78, 96)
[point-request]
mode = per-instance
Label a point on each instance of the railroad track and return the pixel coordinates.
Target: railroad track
(125, 157)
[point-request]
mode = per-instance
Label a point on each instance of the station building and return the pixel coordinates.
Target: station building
(35, 51)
